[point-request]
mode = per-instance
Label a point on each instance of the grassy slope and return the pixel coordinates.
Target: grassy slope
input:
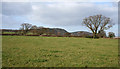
(29, 51)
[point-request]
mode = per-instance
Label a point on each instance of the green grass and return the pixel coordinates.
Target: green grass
(8, 32)
(35, 51)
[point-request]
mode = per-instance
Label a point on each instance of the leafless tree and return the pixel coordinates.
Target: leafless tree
(25, 27)
(97, 23)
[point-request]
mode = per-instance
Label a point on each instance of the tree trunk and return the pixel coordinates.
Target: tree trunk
(95, 35)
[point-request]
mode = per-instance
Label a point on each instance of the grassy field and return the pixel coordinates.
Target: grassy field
(35, 51)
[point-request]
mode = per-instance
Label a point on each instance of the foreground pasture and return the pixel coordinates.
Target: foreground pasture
(35, 51)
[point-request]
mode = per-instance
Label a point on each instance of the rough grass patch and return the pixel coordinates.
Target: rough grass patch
(38, 60)
(55, 51)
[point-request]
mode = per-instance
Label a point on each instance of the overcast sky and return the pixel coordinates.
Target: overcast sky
(66, 15)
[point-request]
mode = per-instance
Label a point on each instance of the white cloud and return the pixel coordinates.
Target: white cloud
(65, 14)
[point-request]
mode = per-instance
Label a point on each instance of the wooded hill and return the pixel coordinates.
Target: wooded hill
(42, 31)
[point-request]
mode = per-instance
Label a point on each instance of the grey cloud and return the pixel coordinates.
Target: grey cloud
(11, 10)
(16, 8)
(10, 23)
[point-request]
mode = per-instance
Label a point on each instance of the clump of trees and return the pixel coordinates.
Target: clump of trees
(102, 34)
(97, 24)
(37, 30)
(27, 28)
(111, 34)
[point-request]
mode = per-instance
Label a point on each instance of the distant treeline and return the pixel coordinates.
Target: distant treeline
(27, 29)
(53, 32)
(37, 32)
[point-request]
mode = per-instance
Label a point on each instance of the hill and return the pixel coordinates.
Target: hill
(82, 34)
(50, 31)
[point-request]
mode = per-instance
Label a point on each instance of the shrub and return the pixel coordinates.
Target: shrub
(111, 34)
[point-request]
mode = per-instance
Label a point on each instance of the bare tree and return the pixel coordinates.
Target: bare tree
(97, 23)
(26, 27)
